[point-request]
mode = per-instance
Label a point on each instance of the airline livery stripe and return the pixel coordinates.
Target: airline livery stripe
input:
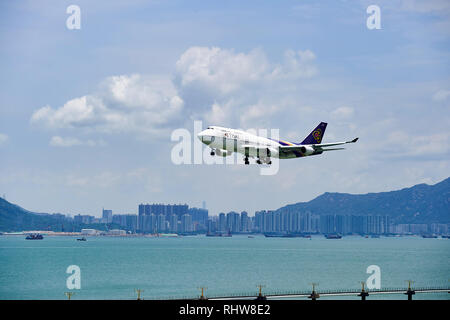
(283, 143)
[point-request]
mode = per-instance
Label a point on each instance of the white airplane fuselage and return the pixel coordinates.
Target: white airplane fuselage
(225, 141)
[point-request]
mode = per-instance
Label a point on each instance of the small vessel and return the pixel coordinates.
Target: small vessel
(333, 236)
(429, 236)
(250, 237)
(34, 236)
(81, 239)
(218, 234)
(274, 235)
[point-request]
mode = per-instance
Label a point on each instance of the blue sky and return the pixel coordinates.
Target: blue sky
(86, 115)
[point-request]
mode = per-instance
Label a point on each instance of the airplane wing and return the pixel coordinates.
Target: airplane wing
(318, 146)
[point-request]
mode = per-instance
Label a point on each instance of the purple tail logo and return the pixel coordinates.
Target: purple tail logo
(317, 134)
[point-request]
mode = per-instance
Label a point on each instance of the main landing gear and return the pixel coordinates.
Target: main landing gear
(212, 152)
(259, 161)
(264, 161)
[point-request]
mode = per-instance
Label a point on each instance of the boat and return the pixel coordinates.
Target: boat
(333, 236)
(429, 236)
(81, 239)
(218, 234)
(274, 235)
(34, 236)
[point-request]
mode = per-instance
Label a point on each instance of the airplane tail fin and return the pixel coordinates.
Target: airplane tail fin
(316, 135)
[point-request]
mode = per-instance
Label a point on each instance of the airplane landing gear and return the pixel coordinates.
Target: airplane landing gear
(264, 160)
(246, 161)
(212, 152)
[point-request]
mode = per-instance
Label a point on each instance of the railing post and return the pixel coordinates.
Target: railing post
(314, 295)
(363, 293)
(69, 294)
(260, 295)
(410, 292)
(138, 291)
(202, 297)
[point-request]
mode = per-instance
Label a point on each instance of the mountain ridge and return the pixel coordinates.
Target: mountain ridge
(421, 203)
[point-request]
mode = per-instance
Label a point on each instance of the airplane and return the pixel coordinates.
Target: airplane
(225, 141)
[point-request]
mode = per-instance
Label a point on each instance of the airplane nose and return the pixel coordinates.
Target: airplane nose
(200, 136)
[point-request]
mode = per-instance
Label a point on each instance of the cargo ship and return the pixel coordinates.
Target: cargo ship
(429, 236)
(286, 235)
(333, 236)
(218, 234)
(34, 236)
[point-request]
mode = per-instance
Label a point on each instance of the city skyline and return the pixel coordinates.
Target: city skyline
(264, 222)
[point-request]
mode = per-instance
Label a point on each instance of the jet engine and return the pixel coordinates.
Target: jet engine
(307, 150)
(223, 153)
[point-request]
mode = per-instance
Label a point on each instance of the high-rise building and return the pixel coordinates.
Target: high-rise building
(107, 216)
(244, 222)
(128, 221)
(173, 223)
(161, 223)
(222, 222)
(199, 217)
(186, 223)
(233, 222)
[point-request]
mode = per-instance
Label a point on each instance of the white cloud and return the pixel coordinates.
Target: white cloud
(127, 103)
(441, 95)
(399, 143)
(219, 113)
(297, 65)
(220, 71)
(255, 114)
(234, 88)
(57, 141)
(218, 85)
(343, 112)
(3, 138)
(429, 6)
